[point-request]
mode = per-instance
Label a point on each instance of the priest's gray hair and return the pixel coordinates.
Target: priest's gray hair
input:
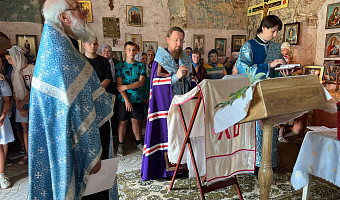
(51, 10)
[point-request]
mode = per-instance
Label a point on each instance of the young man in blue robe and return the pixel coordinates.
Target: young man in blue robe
(262, 55)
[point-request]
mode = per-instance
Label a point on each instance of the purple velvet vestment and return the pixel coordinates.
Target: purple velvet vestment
(156, 136)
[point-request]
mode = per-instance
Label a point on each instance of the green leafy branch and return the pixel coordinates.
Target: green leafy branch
(252, 79)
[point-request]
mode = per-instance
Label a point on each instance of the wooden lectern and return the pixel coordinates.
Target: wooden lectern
(276, 97)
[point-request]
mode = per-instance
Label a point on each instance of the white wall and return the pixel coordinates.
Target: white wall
(209, 36)
(11, 29)
(156, 23)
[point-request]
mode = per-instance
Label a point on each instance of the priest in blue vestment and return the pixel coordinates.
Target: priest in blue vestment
(67, 107)
(170, 76)
(263, 55)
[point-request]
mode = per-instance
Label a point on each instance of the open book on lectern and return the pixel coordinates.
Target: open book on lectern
(289, 66)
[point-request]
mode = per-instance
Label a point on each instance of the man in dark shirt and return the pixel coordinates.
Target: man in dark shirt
(100, 64)
(102, 67)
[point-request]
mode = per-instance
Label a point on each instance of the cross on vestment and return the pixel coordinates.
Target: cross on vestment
(266, 6)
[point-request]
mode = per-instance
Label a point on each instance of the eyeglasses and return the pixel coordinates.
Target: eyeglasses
(78, 8)
(177, 40)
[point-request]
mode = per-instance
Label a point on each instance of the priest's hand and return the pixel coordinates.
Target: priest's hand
(96, 168)
(277, 62)
(182, 71)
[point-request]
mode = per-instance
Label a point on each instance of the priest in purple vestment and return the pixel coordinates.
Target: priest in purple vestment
(171, 75)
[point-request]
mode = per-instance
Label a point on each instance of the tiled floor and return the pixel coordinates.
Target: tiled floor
(18, 175)
(131, 160)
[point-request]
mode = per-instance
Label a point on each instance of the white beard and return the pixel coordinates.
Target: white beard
(81, 30)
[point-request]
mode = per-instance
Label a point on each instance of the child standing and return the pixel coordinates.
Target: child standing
(21, 79)
(6, 133)
(296, 124)
(285, 51)
(130, 76)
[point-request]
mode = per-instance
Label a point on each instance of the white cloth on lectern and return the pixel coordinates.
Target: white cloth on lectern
(214, 92)
(231, 114)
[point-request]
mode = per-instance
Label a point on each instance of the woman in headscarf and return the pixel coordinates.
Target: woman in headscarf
(214, 69)
(21, 80)
(199, 71)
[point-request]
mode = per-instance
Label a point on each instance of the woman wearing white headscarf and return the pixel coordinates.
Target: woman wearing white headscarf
(21, 80)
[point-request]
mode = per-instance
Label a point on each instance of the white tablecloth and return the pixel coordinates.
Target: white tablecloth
(319, 156)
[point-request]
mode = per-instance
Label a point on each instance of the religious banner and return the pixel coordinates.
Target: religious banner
(266, 6)
(111, 28)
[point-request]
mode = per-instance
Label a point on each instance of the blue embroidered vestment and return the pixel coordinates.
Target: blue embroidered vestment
(67, 106)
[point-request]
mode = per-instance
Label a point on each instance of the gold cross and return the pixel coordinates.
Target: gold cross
(266, 6)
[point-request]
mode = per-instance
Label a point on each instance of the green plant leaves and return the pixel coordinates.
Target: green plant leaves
(252, 79)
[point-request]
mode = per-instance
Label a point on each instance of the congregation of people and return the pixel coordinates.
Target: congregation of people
(66, 110)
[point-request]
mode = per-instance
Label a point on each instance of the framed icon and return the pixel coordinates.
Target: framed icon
(291, 33)
(29, 42)
(331, 69)
(135, 38)
(150, 45)
(332, 16)
(86, 5)
(315, 70)
(332, 45)
(199, 43)
(111, 27)
(220, 46)
(134, 15)
(236, 42)
(118, 55)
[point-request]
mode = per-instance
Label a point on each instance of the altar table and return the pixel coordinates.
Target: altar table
(319, 156)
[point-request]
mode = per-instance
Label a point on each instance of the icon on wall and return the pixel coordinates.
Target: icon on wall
(86, 5)
(135, 38)
(134, 15)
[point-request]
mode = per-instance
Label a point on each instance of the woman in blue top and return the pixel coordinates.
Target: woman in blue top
(262, 55)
